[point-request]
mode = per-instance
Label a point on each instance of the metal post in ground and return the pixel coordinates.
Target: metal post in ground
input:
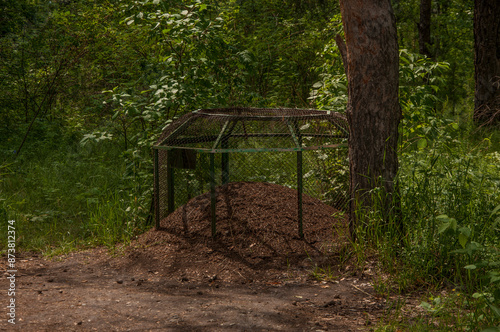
(213, 195)
(299, 192)
(170, 183)
(156, 190)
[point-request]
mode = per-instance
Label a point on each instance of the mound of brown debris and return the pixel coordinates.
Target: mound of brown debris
(257, 233)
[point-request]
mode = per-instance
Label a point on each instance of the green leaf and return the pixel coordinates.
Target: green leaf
(491, 329)
(494, 279)
(422, 143)
(478, 295)
(470, 267)
(463, 240)
(453, 223)
(474, 246)
(426, 306)
(444, 227)
(446, 223)
(495, 309)
(465, 231)
(495, 210)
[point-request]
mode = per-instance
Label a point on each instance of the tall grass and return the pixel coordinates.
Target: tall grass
(69, 198)
(450, 197)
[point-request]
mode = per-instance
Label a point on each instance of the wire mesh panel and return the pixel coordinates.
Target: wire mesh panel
(302, 149)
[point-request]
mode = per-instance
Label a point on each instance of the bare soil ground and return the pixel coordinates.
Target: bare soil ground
(255, 276)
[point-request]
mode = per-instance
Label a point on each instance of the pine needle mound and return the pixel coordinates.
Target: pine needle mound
(257, 230)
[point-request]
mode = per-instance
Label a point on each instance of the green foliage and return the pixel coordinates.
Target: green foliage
(282, 40)
(483, 270)
(449, 189)
(451, 41)
(70, 199)
(57, 61)
(84, 173)
(450, 193)
(190, 53)
(330, 92)
(331, 176)
(420, 80)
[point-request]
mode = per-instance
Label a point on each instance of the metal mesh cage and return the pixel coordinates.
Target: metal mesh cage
(302, 149)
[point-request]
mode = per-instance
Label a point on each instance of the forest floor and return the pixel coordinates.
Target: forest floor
(257, 275)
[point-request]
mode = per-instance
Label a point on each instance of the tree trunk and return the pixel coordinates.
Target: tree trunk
(373, 109)
(424, 27)
(487, 61)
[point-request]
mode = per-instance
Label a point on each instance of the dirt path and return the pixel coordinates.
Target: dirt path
(91, 290)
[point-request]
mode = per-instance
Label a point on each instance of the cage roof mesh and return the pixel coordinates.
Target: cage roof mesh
(255, 129)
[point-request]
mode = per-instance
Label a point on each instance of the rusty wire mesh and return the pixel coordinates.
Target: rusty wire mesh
(302, 149)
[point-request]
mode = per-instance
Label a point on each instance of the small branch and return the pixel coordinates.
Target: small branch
(362, 291)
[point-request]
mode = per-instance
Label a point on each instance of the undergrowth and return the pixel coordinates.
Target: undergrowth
(450, 197)
(449, 189)
(71, 198)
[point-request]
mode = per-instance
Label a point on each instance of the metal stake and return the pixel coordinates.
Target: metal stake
(213, 195)
(170, 183)
(156, 190)
(299, 191)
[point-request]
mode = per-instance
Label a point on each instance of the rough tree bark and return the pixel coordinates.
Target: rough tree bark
(424, 27)
(373, 109)
(487, 62)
